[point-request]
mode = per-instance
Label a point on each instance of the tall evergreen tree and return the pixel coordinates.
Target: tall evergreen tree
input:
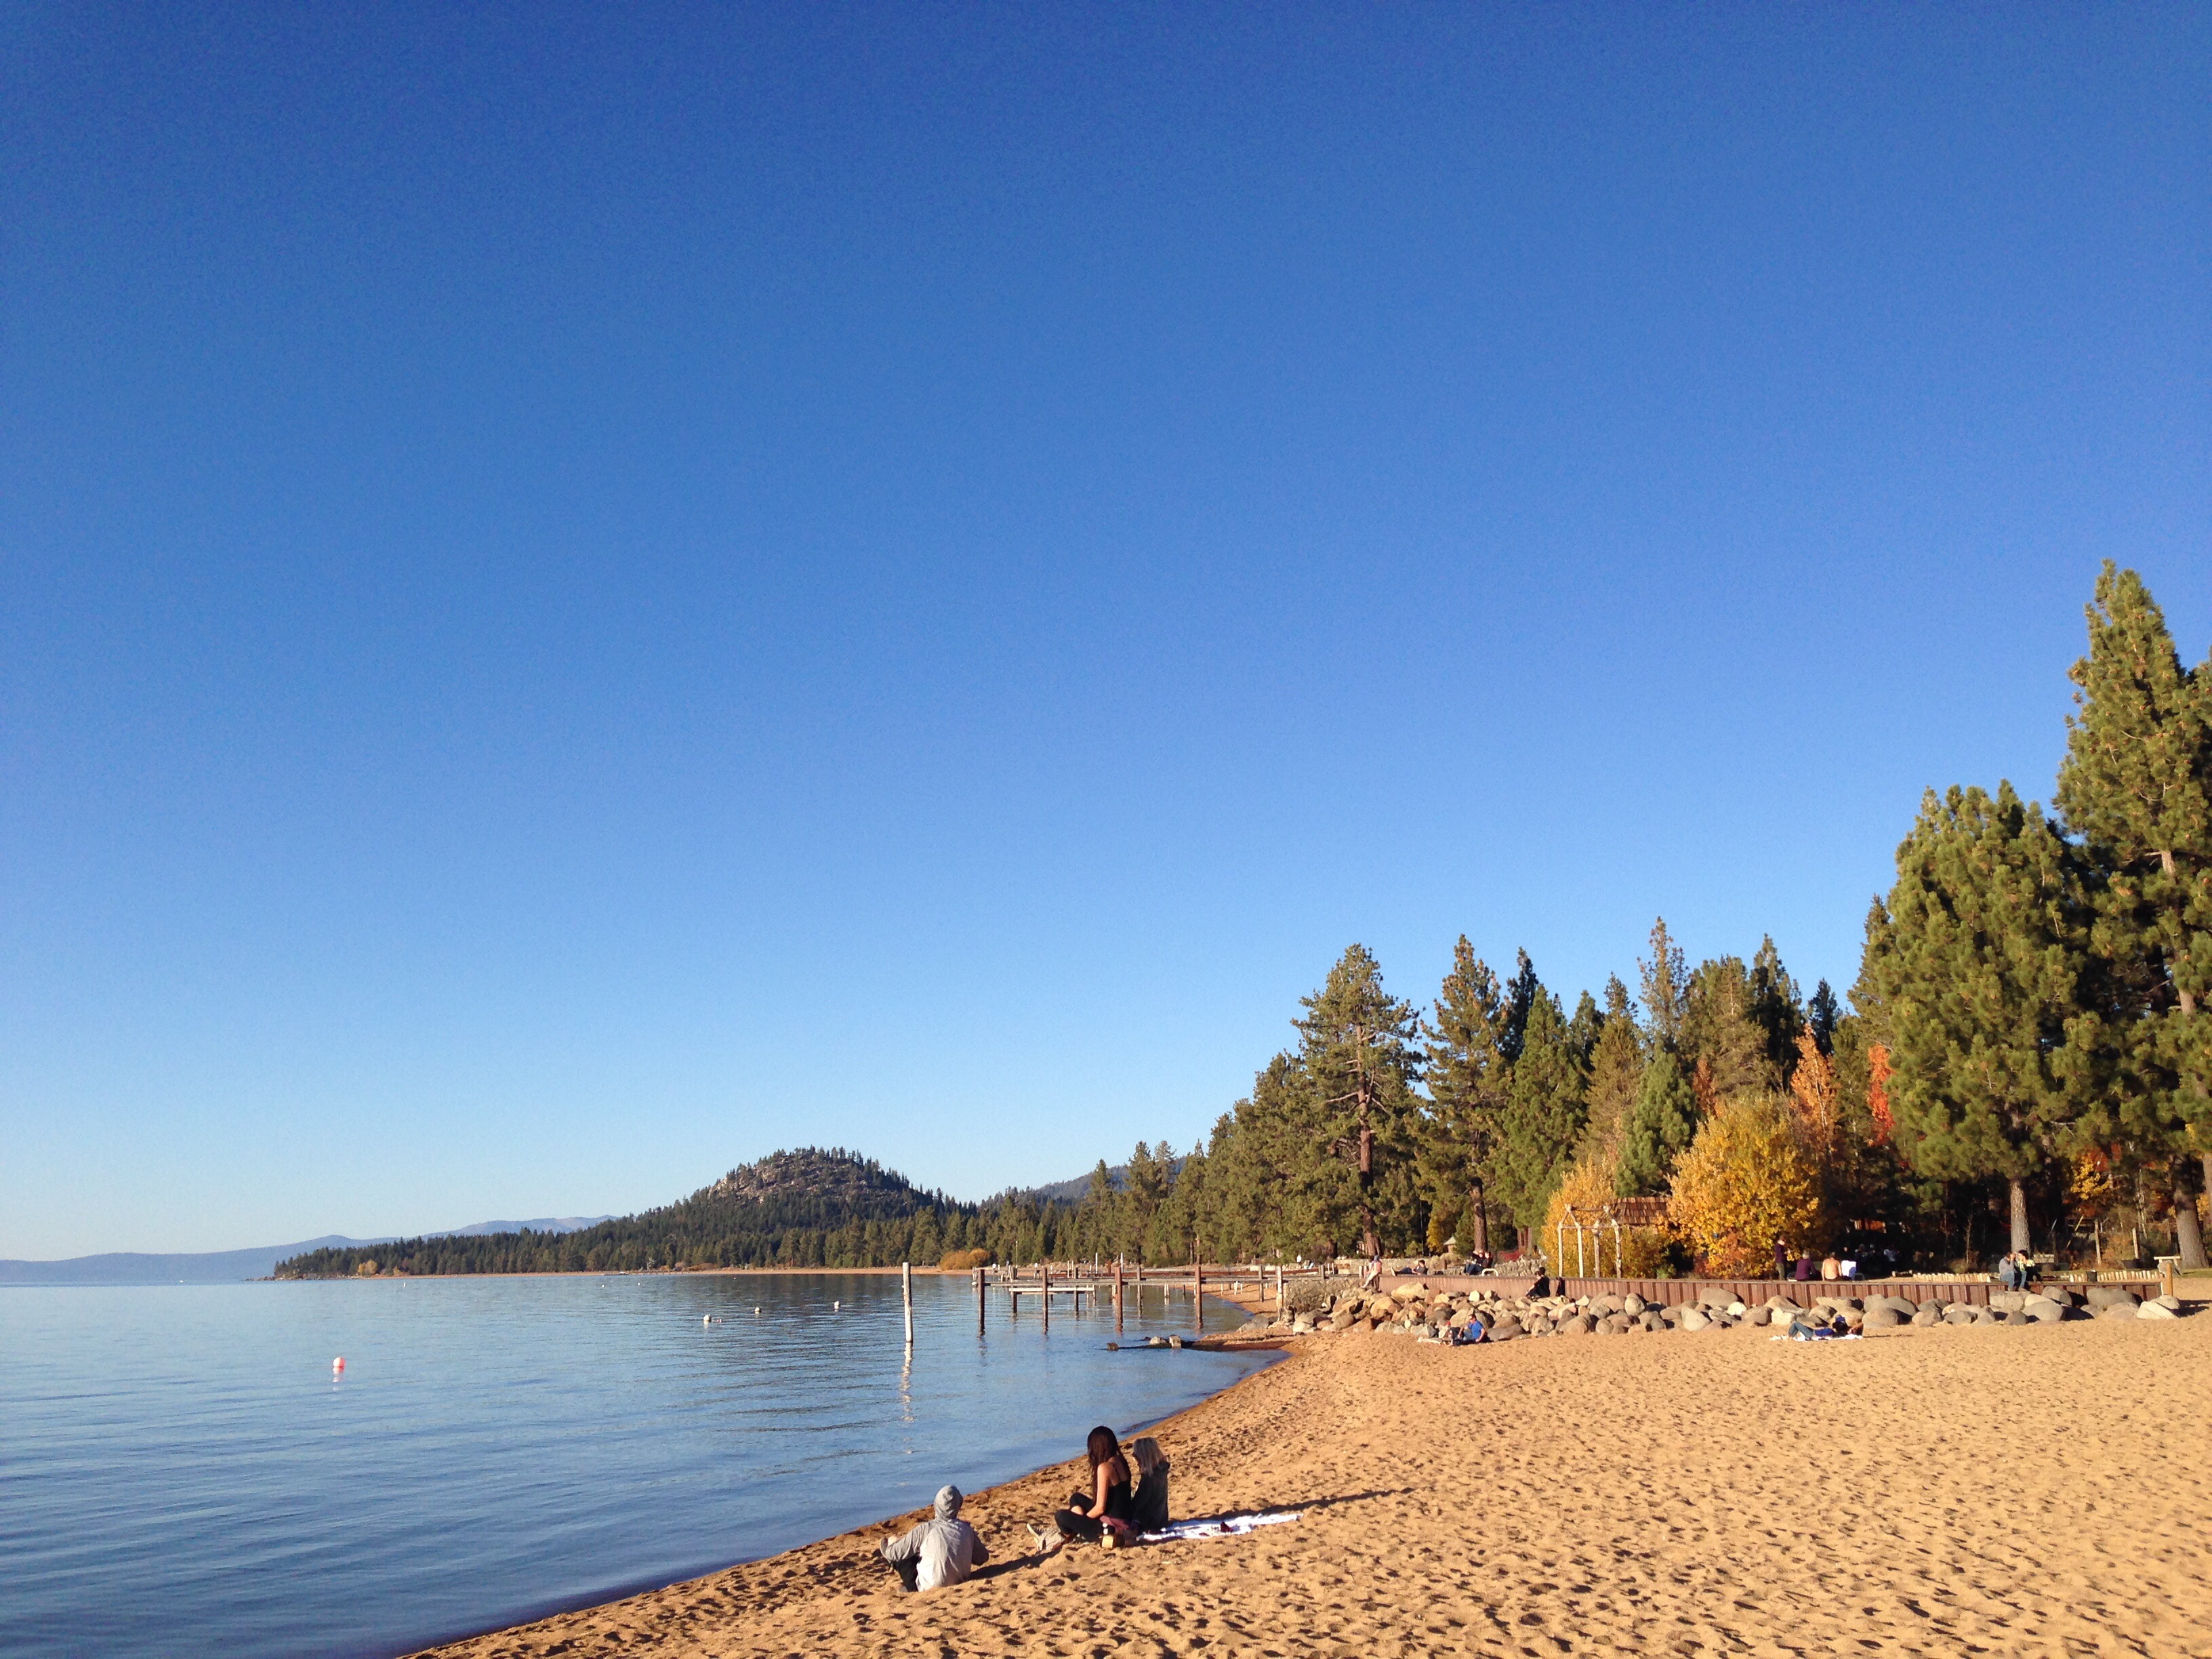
(1300, 1193)
(1982, 967)
(1546, 1106)
(1521, 994)
(1821, 1013)
(1666, 984)
(1664, 1124)
(1358, 1048)
(1774, 1009)
(1616, 1072)
(2136, 787)
(1467, 1074)
(1719, 1031)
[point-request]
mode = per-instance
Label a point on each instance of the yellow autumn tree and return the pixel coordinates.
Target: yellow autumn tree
(1637, 1252)
(1813, 1091)
(1747, 1180)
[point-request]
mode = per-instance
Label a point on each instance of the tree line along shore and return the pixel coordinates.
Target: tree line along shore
(2023, 1063)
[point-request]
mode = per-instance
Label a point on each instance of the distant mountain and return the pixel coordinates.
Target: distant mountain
(801, 1209)
(230, 1266)
(1071, 1192)
(545, 1224)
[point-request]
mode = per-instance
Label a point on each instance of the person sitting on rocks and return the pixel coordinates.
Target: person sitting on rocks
(1148, 1506)
(1100, 1516)
(943, 1550)
(2011, 1274)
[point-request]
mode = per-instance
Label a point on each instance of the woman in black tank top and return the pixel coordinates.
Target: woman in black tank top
(1102, 1513)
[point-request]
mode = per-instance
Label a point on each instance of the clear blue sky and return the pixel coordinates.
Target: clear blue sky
(589, 592)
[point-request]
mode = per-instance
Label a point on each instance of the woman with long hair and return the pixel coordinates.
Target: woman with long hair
(1102, 1515)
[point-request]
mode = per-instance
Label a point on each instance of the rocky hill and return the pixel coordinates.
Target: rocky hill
(811, 1174)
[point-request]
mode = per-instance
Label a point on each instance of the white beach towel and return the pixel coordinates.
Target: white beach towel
(1234, 1525)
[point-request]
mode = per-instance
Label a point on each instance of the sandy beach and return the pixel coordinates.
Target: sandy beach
(1921, 1492)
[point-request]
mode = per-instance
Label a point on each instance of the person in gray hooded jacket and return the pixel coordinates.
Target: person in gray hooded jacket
(943, 1550)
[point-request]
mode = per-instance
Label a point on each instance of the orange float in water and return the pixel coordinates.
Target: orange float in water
(337, 1365)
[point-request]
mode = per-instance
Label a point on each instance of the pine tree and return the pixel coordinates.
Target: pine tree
(1774, 1009)
(1665, 1123)
(1719, 1034)
(1358, 1048)
(1982, 967)
(2136, 787)
(1299, 1191)
(1467, 1074)
(1546, 1106)
(1666, 986)
(1521, 994)
(1822, 1013)
(1616, 1073)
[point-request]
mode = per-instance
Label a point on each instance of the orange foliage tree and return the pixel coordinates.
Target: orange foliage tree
(1747, 1181)
(1878, 1074)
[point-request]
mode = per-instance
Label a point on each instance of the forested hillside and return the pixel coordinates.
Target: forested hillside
(805, 1208)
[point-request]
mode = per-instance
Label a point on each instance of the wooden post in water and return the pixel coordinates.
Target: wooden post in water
(906, 1285)
(1117, 1295)
(1197, 1290)
(1044, 1290)
(983, 1299)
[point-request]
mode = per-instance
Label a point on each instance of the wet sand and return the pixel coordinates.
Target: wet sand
(1922, 1492)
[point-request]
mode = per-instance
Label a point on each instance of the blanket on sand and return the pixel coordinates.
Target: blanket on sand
(1229, 1526)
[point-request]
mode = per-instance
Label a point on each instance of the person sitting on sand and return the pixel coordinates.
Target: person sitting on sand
(1101, 1514)
(1148, 1505)
(943, 1550)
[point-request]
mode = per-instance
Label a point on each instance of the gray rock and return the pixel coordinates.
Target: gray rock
(2041, 1309)
(1926, 1316)
(1505, 1330)
(2156, 1308)
(1631, 1304)
(2115, 1310)
(2007, 1301)
(1650, 1320)
(2110, 1296)
(2016, 1318)
(1881, 1319)
(1692, 1320)
(1958, 1313)
(1579, 1325)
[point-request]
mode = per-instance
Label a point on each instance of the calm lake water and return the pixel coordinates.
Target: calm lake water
(180, 1475)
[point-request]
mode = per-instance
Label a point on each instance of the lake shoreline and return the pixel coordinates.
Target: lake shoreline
(1046, 1484)
(1597, 1494)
